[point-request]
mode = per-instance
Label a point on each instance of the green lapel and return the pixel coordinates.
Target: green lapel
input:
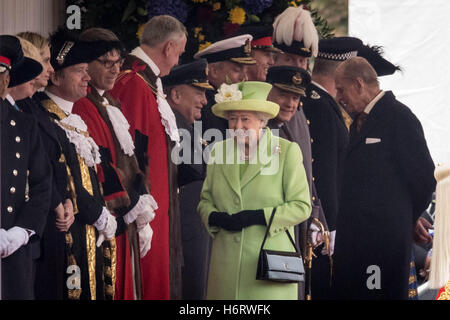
(254, 169)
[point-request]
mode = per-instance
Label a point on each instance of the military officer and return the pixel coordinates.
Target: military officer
(185, 87)
(26, 179)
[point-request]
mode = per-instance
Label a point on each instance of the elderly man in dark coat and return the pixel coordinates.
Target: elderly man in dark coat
(186, 86)
(388, 183)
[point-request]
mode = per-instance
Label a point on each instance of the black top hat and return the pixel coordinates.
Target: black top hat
(194, 73)
(262, 36)
(22, 69)
(339, 48)
(373, 54)
(297, 47)
(67, 50)
(289, 78)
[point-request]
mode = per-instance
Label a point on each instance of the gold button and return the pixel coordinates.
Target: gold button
(312, 160)
(312, 140)
(17, 139)
(12, 190)
(308, 122)
(10, 209)
(12, 122)
(313, 198)
(17, 155)
(314, 179)
(15, 172)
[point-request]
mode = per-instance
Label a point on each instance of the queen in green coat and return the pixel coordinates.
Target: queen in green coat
(247, 177)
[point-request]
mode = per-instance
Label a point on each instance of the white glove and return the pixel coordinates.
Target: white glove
(145, 239)
(16, 237)
(145, 203)
(332, 238)
(316, 235)
(109, 230)
(147, 211)
(3, 241)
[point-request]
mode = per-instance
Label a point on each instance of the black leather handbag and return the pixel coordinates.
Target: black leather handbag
(280, 266)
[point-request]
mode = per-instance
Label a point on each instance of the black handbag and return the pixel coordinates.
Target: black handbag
(280, 266)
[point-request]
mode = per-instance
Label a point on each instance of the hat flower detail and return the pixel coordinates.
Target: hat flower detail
(227, 93)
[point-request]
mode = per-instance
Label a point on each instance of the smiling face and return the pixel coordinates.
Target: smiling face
(287, 101)
(264, 60)
(245, 122)
(189, 101)
(72, 82)
(104, 70)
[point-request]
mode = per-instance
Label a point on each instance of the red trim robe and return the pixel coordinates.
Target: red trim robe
(100, 132)
(141, 110)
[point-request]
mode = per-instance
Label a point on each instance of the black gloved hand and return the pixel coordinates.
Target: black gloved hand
(223, 220)
(247, 218)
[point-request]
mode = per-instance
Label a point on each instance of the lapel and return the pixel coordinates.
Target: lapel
(254, 169)
(378, 111)
(43, 117)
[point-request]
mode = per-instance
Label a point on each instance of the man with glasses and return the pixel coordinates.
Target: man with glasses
(124, 187)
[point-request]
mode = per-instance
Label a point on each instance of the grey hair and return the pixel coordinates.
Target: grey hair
(161, 29)
(358, 67)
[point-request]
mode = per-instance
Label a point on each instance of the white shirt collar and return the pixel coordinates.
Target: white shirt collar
(100, 92)
(10, 99)
(372, 103)
(318, 85)
(138, 52)
(65, 105)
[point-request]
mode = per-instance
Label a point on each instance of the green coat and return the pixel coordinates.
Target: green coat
(234, 255)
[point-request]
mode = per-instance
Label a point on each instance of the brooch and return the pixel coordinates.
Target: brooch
(315, 95)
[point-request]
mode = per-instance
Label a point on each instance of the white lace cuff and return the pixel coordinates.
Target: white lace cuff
(101, 222)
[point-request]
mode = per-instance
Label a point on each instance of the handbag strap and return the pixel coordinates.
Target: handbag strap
(287, 232)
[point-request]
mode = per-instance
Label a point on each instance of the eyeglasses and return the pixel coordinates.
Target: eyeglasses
(108, 64)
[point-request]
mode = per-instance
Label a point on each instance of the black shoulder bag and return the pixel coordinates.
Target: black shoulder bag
(280, 266)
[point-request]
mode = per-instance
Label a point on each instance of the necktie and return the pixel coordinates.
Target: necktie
(360, 120)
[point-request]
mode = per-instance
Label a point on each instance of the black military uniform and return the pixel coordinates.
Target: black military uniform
(191, 174)
(25, 177)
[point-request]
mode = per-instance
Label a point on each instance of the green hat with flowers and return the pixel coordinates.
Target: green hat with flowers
(244, 96)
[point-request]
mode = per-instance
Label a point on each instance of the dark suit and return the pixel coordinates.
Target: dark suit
(195, 237)
(388, 183)
(26, 182)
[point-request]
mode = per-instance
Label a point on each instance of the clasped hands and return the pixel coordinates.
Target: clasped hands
(236, 222)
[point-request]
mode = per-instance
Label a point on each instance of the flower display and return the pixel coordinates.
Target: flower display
(228, 92)
(206, 21)
(237, 15)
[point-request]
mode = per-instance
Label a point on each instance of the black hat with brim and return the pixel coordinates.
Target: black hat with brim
(194, 73)
(339, 48)
(297, 47)
(21, 69)
(373, 54)
(27, 70)
(67, 50)
(289, 78)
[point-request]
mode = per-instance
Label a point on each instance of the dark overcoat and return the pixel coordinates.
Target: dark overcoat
(25, 199)
(388, 183)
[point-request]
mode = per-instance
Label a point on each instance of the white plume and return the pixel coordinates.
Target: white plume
(296, 24)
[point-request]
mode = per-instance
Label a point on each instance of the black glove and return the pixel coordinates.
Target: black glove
(237, 221)
(247, 218)
(223, 220)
